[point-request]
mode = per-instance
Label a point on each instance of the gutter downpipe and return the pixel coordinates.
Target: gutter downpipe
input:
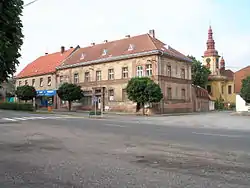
(159, 64)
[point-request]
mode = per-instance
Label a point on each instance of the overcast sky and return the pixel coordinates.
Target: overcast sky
(183, 24)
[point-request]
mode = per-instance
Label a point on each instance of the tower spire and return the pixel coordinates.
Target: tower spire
(210, 44)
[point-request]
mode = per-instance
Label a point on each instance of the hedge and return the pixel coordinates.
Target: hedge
(92, 113)
(16, 106)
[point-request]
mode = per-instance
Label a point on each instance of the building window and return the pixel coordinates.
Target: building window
(217, 63)
(61, 79)
(169, 71)
(20, 83)
(222, 89)
(49, 81)
(183, 73)
(149, 69)
(111, 94)
(41, 82)
(139, 71)
(229, 89)
(124, 95)
(26, 82)
(76, 78)
(111, 74)
(33, 82)
(98, 75)
(124, 72)
(87, 77)
(183, 93)
(169, 93)
(209, 89)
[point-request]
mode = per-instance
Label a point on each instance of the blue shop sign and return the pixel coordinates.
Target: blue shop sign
(47, 93)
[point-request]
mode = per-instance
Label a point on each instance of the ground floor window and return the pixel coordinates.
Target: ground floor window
(87, 100)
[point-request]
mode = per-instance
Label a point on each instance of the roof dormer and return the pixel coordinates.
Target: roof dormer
(131, 47)
(82, 56)
(104, 52)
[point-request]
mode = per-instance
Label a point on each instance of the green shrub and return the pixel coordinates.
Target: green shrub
(92, 113)
(16, 106)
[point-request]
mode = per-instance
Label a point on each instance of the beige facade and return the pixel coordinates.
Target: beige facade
(41, 82)
(107, 81)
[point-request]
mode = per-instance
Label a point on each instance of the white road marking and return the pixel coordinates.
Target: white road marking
(30, 118)
(221, 135)
(9, 119)
(16, 118)
(114, 125)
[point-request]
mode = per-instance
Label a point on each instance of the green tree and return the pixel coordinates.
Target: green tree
(70, 92)
(11, 37)
(26, 92)
(200, 73)
(245, 89)
(143, 90)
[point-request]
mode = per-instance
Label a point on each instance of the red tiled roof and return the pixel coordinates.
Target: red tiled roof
(44, 64)
(140, 43)
(239, 76)
(228, 73)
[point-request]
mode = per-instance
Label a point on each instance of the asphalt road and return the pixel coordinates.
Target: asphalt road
(42, 150)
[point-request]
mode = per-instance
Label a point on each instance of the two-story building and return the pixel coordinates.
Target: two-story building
(41, 74)
(103, 71)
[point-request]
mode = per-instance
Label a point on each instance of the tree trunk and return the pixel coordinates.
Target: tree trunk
(69, 105)
(143, 109)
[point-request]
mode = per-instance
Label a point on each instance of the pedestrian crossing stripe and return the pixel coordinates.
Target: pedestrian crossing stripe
(29, 118)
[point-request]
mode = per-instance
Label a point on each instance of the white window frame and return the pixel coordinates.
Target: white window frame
(41, 82)
(33, 82)
(61, 79)
(149, 69)
(111, 94)
(111, 74)
(98, 75)
(49, 81)
(183, 74)
(76, 78)
(139, 71)
(86, 78)
(169, 71)
(124, 72)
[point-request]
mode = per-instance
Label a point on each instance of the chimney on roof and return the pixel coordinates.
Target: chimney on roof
(92, 44)
(46, 53)
(152, 33)
(71, 47)
(127, 36)
(105, 41)
(62, 49)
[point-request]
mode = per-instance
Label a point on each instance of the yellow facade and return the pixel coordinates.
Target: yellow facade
(222, 88)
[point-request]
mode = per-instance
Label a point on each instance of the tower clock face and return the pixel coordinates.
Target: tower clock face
(208, 60)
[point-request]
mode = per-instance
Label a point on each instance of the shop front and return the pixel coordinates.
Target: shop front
(46, 98)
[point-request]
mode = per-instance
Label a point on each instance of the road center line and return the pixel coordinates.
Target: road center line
(221, 135)
(114, 125)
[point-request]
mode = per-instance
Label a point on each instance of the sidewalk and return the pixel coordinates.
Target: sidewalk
(110, 114)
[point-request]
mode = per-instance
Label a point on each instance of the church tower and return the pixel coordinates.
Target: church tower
(211, 57)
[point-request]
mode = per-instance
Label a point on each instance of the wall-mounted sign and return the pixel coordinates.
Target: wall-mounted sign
(47, 93)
